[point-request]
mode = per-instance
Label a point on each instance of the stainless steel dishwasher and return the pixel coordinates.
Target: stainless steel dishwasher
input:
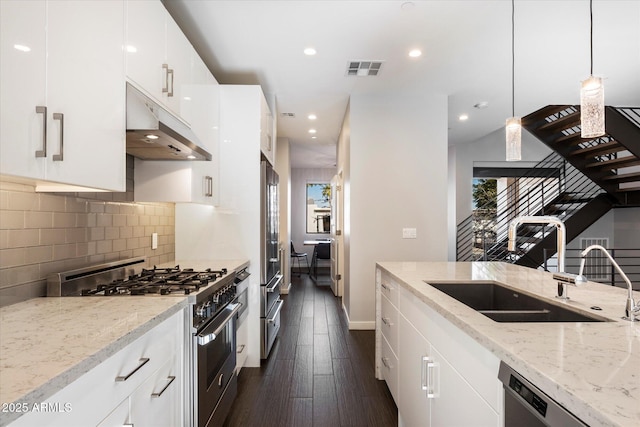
(525, 405)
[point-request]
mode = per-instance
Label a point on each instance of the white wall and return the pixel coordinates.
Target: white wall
(283, 168)
(397, 178)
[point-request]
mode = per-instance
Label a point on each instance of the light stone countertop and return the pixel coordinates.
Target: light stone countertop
(591, 368)
(47, 343)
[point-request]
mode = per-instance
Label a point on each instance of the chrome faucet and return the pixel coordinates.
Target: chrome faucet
(631, 309)
(563, 278)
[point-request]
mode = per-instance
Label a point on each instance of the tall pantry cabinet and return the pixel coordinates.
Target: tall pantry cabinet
(62, 98)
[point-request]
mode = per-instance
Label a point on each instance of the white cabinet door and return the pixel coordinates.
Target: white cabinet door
(22, 87)
(456, 403)
(156, 403)
(179, 52)
(146, 46)
(413, 405)
(177, 182)
(86, 93)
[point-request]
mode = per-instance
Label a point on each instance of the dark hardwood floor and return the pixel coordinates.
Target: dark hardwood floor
(318, 373)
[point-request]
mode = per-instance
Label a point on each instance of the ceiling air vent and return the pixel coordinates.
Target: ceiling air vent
(289, 115)
(364, 68)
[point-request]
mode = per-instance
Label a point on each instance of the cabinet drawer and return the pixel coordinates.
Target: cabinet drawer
(389, 288)
(389, 369)
(389, 323)
(157, 402)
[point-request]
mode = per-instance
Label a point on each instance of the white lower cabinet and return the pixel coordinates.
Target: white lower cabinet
(119, 390)
(442, 376)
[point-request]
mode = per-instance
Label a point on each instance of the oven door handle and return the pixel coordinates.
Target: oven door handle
(211, 332)
(273, 318)
(276, 283)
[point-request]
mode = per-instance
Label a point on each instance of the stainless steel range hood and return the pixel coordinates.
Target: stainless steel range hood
(153, 133)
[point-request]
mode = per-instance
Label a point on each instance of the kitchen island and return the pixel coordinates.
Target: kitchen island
(590, 368)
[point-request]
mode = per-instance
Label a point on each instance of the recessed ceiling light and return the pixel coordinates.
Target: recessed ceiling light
(131, 49)
(414, 53)
(314, 137)
(309, 51)
(481, 105)
(22, 48)
(312, 131)
(191, 157)
(152, 136)
(463, 117)
(312, 117)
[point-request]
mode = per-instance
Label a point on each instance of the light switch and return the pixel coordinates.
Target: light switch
(154, 240)
(409, 233)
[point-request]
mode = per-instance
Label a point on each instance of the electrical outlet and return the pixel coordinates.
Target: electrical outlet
(154, 240)
(409, 233)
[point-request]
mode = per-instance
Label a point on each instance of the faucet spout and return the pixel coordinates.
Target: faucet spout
(631, 309)
(547, 220)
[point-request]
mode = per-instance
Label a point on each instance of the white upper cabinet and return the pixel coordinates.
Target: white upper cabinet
(23, 87)
(267, 138)
(62, 90)
(159, 55)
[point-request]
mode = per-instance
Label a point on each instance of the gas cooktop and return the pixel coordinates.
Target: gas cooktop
(163, 281)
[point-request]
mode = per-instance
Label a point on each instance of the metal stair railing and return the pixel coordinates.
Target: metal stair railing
(482, 235)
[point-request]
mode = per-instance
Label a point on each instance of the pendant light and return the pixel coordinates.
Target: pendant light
(513, 128)
(592, 96)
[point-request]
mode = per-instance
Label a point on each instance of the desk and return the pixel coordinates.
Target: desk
(316, 242)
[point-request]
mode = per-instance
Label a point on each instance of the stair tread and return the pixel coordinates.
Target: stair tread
(600, 149)
(616, 163)
(544, 112)
(566, 122)
(623, 177)
(572, 139)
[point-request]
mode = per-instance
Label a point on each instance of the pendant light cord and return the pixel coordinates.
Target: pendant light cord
(513, 61)
(591, 33)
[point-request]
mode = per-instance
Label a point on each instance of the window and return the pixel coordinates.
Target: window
(318, 207)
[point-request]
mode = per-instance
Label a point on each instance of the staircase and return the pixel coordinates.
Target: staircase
(579, 182)
(612, 161)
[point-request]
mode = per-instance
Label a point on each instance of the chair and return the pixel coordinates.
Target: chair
(321, 251)
(297, 256)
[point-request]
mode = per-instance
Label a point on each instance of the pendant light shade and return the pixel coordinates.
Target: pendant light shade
(514, 137)
(592, 98)
(513, 128)
(592, 108)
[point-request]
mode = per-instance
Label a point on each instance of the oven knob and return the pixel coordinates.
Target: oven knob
(207, 308)
(201, 311)
(216, 298)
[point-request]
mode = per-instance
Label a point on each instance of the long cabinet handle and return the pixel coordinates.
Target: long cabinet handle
(386, 321)
(208, 186)
(43, 110)
(273, 318)
(240, 348)
(428, 378)
(165, 88)
(169, 381)
(143, 361)
(385, 287)
(60, 156)
(170, 71)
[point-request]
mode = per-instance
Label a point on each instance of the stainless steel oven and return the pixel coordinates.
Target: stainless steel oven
(525, 405)
(214, 347)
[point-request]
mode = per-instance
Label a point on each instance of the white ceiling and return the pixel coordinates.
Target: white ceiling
(466, 49)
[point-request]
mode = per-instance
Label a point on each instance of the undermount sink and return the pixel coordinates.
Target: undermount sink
(503, 304)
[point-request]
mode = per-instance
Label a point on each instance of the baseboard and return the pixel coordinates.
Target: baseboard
(359, 326)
